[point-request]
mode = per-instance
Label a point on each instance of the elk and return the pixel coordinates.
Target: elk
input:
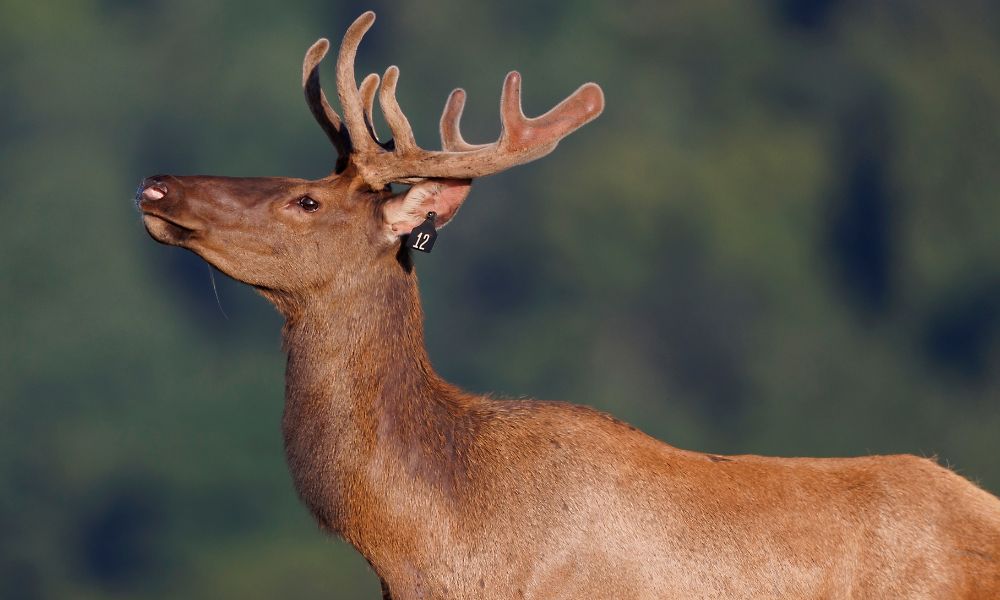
(449, 494)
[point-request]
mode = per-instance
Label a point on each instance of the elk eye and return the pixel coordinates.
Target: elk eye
(308, 204)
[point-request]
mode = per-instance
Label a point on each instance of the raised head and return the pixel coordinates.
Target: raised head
(291, 236)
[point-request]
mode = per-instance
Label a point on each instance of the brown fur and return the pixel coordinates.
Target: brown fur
(454, 495)
(449, 494)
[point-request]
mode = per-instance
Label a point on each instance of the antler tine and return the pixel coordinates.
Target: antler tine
(520, 132)
(451, 134)
(402, 132)
(369, 85)
(347, 89)
(320, 108)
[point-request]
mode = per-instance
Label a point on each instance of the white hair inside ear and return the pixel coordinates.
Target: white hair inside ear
(408, 209)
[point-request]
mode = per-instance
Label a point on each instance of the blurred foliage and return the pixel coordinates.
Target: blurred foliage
(781, 237)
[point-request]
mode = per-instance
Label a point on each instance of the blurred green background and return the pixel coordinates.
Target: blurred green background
(781, 237)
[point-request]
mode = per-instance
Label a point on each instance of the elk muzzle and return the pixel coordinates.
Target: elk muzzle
(161, 200)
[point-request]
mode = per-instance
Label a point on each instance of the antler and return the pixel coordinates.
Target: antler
(521, 139)
(318, 105)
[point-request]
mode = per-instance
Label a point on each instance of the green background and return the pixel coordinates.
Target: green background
(781, 237)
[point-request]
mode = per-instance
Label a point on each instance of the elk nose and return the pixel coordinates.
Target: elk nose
(152, 189)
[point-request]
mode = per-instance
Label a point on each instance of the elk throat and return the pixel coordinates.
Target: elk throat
(366, 417)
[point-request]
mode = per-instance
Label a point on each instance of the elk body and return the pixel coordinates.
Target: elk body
(449, 494)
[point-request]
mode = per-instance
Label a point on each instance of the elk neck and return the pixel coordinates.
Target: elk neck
(365, 413)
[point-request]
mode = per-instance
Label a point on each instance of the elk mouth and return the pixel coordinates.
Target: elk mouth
(166, 230)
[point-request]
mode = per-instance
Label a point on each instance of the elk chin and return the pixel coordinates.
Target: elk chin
(166, 231)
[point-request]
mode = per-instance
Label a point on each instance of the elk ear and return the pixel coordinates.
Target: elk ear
(408, 209)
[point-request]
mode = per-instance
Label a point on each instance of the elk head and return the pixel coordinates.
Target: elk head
(289, 236)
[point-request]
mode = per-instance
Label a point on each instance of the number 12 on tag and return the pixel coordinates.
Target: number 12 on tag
(422, 236)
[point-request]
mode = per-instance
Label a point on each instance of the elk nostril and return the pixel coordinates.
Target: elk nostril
(154, 191)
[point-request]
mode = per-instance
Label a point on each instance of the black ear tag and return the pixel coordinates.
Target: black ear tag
(422, 237)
